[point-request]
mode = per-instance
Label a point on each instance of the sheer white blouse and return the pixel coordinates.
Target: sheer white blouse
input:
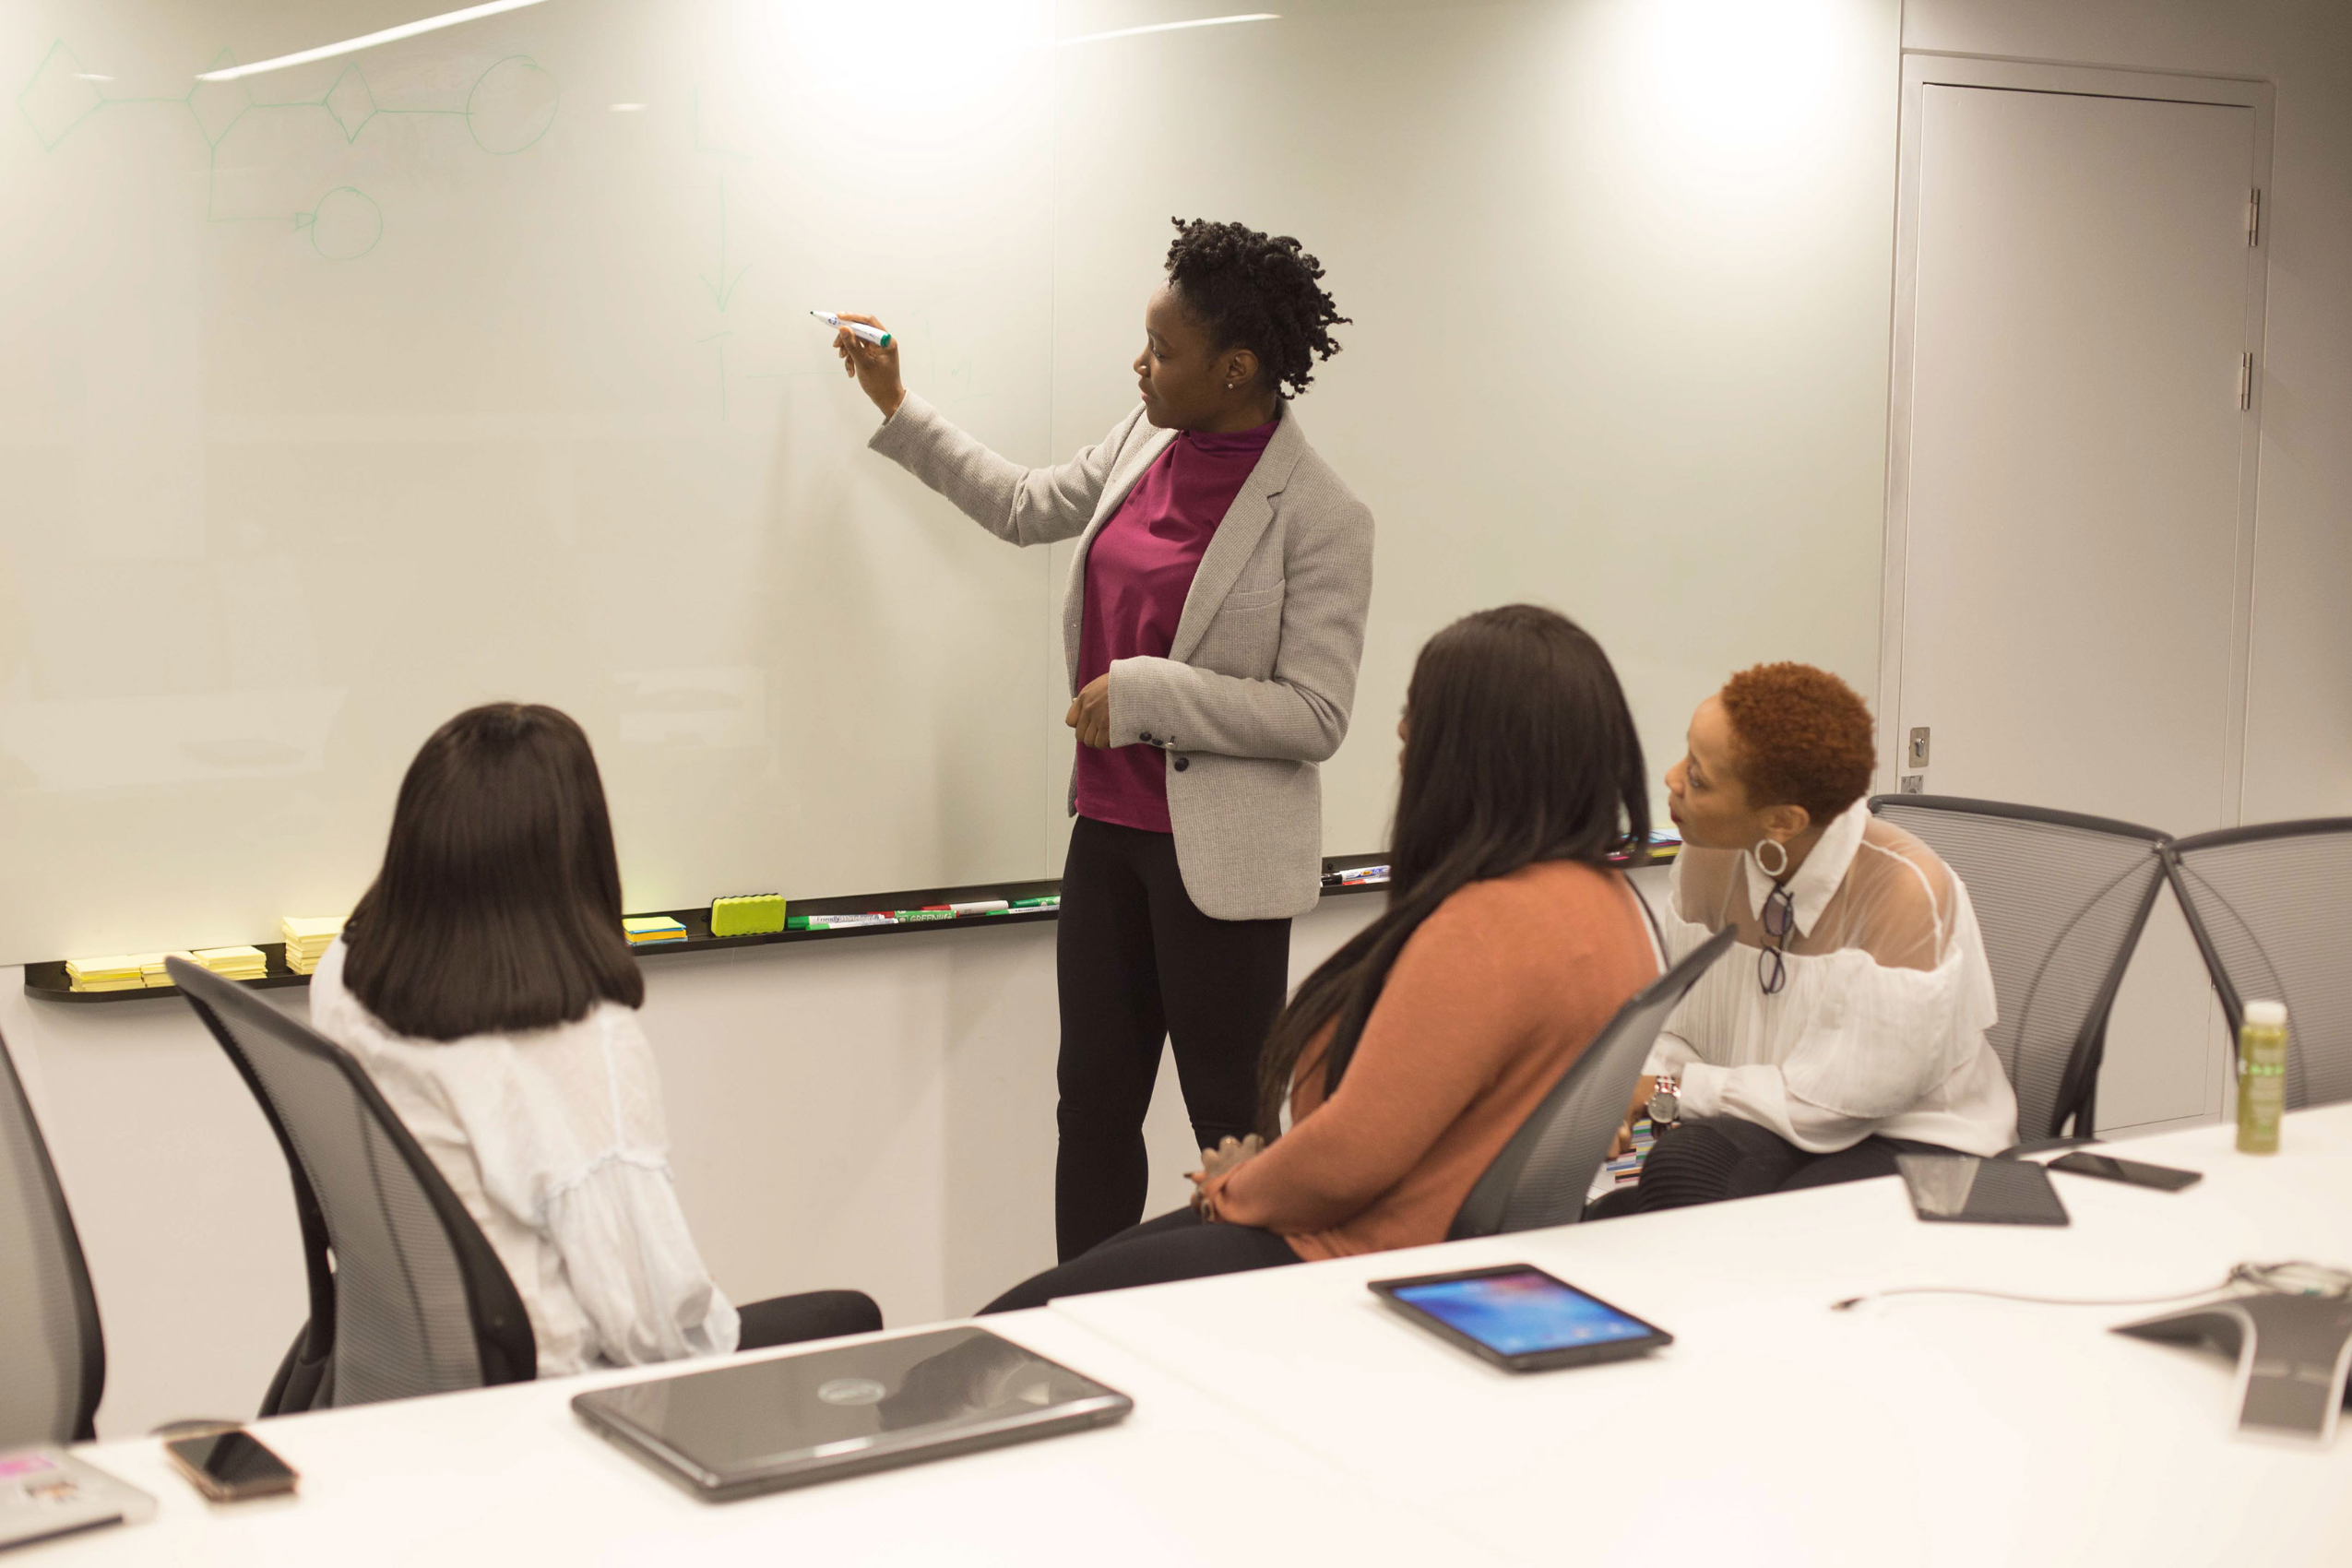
(556, 1143)
(1881, 1024)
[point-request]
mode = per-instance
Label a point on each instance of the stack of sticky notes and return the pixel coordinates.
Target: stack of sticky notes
(645, 931)
(308, 940)
(747, 914)
(116, 971)
(233, 963)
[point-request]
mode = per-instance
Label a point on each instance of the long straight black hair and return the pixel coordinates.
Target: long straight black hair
(498, 907)
(1519, 747)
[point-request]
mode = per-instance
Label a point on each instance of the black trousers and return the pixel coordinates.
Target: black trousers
(1721, 1157)
(1138, 963)
(1175, 1246)
(812, 1315)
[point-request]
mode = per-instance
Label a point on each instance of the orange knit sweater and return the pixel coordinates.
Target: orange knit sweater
(1496, 993)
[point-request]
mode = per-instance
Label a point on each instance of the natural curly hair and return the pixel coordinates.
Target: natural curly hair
(1255, 291)
(1802, 737)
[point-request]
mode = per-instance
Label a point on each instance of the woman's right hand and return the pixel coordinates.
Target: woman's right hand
(876, 367)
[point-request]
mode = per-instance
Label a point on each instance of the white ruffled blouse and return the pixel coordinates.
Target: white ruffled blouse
(1880, 1026)
(556, 1143)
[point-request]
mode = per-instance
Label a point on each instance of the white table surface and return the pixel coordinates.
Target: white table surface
(509, 1476)
(1286, 1416)
(1912, 1430)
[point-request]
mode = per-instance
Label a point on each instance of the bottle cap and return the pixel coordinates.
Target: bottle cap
(2266, 1015)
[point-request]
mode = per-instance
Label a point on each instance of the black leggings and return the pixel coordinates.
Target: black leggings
(1138, 962)
(812, 1315)
(1175, 1246)
(1718, 1157)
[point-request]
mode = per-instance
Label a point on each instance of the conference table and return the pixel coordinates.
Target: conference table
(1286, 1417)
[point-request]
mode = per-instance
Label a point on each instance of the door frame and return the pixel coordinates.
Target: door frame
(1923, 69)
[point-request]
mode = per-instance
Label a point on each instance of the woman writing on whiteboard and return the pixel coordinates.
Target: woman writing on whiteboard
(1213, 622)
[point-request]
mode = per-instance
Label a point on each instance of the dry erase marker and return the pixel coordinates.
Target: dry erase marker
(980, 907)
(1050, 901)
(874, 334)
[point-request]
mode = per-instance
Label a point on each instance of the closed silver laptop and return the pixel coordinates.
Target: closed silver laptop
(757, 1426)
(45, 1491)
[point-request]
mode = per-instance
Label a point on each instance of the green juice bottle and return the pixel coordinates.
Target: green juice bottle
(2261, 1077)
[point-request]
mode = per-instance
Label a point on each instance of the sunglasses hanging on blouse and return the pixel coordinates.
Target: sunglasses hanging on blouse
(1780, 919)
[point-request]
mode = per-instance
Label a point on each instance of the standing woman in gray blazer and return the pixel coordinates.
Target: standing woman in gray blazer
(1213, 623)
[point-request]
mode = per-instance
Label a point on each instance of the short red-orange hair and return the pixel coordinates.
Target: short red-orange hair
(1802, 737)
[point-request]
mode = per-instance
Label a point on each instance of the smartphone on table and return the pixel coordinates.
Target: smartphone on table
(1520, 1318)
(2132, 1172)
(231, 1466)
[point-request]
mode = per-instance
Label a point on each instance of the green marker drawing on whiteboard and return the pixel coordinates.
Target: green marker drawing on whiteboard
(510, 108)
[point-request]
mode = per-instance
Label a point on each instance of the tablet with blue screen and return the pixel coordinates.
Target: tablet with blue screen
(1520, 1318)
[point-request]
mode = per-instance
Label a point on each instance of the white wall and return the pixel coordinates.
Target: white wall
(876, 1113)
(2298, 729)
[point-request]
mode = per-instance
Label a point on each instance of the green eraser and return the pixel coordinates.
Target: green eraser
(748, 914)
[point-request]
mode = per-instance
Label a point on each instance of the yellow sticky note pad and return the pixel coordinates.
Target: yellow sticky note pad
(643, 929)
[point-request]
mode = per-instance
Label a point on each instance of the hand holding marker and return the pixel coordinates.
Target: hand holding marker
(856, 326)
(870, 353)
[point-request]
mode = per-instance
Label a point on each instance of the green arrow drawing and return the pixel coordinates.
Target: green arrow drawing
(722, 287)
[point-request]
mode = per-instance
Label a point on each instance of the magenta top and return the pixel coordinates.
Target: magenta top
(1139, 569)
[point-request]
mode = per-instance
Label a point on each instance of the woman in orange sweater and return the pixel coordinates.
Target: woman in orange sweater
(1407, 1061)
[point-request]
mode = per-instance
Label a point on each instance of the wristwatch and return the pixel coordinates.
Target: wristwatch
(1666, 1102)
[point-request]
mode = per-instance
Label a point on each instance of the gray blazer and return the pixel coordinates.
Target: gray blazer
(1256, 687)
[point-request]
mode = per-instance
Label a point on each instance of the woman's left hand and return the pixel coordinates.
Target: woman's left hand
(1223, 1160)
(1090, 716)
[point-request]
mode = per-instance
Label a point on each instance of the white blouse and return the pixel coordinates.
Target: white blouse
(1880, 1026)
(556, 1143)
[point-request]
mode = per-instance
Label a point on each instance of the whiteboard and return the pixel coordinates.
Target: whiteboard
(345, 397)
(477, 366)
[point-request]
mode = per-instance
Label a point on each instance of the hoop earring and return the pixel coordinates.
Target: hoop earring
(1778, 848)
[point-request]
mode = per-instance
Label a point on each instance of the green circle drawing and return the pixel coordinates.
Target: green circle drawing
(346, 224)
(512, 105)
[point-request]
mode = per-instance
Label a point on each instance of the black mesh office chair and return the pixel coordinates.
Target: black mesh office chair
(406, 1295)
(1544, 1172)
(52, 1357)
(2270, 907)
(2062, 900)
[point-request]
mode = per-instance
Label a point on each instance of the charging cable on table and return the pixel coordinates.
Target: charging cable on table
(2291, 1279)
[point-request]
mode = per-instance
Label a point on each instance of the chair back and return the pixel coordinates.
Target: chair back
(1544, 1173)
(2062, 900)
(415, 1299)
(2269, 906)
(53, 1359)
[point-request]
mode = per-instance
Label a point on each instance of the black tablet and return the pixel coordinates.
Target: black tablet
(1962, 1189)
(1520, 1318)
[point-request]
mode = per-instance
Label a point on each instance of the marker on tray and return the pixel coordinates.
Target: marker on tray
(874, 334)
(835, 922)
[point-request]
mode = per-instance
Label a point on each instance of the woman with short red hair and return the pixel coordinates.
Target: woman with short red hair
(1848, 1025)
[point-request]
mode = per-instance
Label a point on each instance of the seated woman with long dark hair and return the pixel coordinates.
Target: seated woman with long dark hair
(486, 984)
(1407, 1061)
